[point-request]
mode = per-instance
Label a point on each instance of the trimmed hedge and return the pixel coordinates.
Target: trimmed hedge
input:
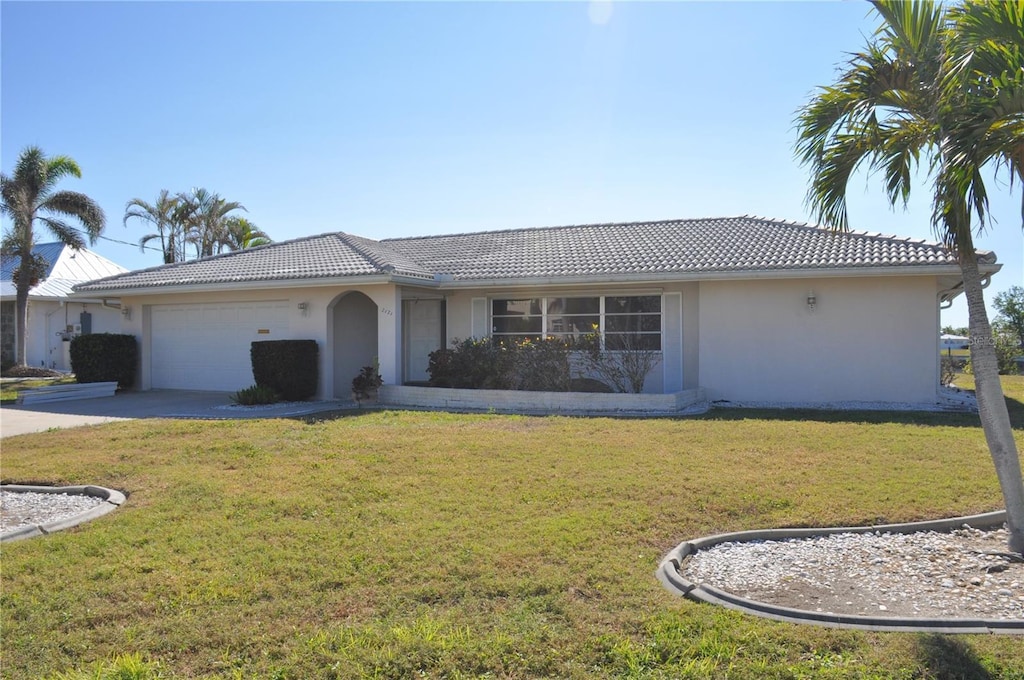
(105, 357)
(289, 367)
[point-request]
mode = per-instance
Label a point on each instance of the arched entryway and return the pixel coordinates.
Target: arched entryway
(354, 339)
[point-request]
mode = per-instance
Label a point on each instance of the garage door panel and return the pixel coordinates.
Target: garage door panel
(206, 346)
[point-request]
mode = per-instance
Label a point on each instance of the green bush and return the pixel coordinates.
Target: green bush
(489, 364)
(288, 367)
(254, 396)
(1006, 353)
(105, 357)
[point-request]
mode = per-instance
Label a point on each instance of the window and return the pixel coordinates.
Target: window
(519, 319)
(632, 322)
(624, 321)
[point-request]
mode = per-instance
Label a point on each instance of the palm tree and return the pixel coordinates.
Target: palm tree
(943, 87)
(28, 196)
(160, 214)
(241, 234)
(204, 216)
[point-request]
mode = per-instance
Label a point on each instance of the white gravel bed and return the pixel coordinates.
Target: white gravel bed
(966, 573)
(20, 509)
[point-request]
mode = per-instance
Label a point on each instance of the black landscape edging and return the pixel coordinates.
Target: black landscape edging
(669, 575)
(112, 498)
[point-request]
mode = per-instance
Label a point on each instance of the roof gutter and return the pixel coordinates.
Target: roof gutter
(442, 283)
(739, 275)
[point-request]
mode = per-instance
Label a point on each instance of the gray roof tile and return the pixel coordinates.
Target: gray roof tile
(654, 249)
(734, 244)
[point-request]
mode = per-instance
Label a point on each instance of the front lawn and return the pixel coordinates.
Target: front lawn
(401, 544)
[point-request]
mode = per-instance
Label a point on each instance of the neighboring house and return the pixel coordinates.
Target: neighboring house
(52, 318)
(750, 309)
(948, 342)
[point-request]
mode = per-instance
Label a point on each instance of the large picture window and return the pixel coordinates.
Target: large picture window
(624, 321)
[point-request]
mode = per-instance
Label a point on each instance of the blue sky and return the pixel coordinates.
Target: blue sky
(389, 119)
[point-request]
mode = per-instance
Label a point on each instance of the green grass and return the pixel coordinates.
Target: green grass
(399, 545)
(9, 390)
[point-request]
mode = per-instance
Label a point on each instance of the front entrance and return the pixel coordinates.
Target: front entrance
(423, 333)
(355, 339)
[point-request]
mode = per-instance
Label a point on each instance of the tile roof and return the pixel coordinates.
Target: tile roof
(312, 257)
(662, 249)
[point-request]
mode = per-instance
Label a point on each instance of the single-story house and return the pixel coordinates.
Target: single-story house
(747, 308)
(53, 318)
(948, 342)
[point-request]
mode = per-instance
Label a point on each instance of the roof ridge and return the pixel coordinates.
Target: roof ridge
(350, 241)
(851, 232)
(560, 227)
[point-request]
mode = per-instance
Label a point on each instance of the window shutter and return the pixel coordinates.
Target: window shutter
(480, 329)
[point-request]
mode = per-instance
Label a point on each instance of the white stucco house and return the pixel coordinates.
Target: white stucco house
(747, 308)
(53, 318)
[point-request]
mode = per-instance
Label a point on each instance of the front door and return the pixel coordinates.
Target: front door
(423, 321)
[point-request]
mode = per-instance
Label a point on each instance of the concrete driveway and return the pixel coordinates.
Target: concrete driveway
(18, 419)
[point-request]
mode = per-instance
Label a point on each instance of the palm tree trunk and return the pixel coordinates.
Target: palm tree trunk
(21, 320)
(995, 419)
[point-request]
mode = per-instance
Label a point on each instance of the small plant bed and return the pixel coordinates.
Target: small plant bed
(32, 372)
(67, 392)
(10, 389)
(398, 544)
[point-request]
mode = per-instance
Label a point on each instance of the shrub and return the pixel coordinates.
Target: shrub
(538, 365)
(471, 363)
(625, 369)
(1006, 353)
(255, 395)
(288, 367)
(948, 371)
(105, 357)
(486, 363)
(367, 382)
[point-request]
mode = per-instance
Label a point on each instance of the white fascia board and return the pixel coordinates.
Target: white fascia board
(748, 275)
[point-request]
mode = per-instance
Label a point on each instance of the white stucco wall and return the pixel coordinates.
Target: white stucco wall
(314, 322)
(47, 318)
(867, 339)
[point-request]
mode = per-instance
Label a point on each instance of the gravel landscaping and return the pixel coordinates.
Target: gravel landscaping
(965, 573)
(28, 508)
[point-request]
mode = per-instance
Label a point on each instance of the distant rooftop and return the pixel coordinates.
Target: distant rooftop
(65, 268)
(638, 250)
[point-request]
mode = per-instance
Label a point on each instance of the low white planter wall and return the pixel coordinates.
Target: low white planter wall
(545, 402)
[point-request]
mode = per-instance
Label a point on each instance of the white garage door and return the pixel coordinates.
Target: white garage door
(206, 346)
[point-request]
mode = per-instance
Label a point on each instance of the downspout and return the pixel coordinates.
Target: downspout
(111, 305)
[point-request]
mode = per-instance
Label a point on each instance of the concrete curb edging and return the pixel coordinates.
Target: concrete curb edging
(669, 575)
(112, 498)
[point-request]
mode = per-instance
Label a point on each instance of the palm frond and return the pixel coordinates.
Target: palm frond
(64, 232)
(80, 206)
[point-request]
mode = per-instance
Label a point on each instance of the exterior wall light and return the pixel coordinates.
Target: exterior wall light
(812, 301)
(126, 312)
(303, 307)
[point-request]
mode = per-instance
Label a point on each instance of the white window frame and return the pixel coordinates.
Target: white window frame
(545, 332)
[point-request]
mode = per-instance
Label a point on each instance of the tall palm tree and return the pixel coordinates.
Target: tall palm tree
(204, 215)
(240, 234)
(29, 196)
(936, 87)
(161, 215)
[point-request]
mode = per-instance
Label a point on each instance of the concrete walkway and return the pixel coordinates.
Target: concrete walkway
(21, 419)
